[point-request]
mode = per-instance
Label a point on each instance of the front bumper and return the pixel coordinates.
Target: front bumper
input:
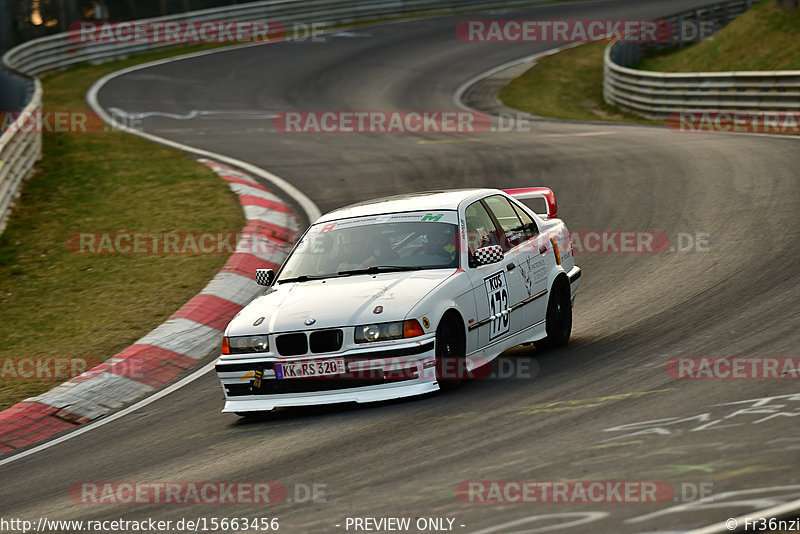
(359, 395)
(372, 375)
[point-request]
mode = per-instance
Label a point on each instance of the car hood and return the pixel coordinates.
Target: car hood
(335, 302)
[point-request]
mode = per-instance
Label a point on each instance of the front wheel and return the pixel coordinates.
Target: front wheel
(558, 321)
(450, 354)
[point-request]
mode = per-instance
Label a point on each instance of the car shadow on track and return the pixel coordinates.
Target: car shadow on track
(520, 367)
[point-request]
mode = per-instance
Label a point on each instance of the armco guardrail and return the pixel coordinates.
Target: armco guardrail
(19, 151)
(655, 95)
(20, 148)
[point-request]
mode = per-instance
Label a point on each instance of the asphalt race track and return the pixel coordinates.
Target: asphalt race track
(735, 294)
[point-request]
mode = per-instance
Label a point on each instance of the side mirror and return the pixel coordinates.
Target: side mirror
(488, 255)
(265, 277)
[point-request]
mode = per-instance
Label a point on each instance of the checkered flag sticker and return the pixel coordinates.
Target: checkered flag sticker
(487, 255)
(264, 277)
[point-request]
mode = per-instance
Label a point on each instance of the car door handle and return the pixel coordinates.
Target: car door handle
(511, 266)
(542, 249)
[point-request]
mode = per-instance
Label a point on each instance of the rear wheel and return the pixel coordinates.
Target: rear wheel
(558, 322)
(450, 353)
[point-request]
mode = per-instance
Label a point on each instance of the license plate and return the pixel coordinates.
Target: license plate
(310, 368)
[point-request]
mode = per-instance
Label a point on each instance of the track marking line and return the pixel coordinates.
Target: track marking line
(113, 417)
(311, 210)
(306, 204)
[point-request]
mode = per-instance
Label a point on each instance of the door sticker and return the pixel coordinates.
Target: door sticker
(497, 293)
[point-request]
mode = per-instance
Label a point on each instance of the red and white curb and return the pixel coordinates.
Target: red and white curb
(178, 343)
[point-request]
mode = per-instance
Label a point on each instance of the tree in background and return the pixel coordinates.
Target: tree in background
(21, 20)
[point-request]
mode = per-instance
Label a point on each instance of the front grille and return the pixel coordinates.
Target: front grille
(238, 367)
(292, 344)
(326, 341)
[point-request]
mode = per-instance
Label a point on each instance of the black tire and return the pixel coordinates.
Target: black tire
(558, 321)
(450, 353)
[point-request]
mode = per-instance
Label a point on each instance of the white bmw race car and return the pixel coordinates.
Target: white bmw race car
(401, 296)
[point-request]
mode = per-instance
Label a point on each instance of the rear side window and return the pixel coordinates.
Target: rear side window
(517, 225)
(529, 227)
(505, 213)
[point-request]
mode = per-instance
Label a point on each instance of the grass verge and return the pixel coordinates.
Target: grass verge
(567, 85)
(59, 304)
(764, 38)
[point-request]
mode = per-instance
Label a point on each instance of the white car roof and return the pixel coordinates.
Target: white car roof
(423, 201)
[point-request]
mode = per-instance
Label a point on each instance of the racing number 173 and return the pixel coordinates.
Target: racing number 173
(497, 293)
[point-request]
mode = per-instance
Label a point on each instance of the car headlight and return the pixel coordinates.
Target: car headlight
(245, 344)
(387, 331)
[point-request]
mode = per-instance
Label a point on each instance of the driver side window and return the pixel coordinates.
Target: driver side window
(481, 230)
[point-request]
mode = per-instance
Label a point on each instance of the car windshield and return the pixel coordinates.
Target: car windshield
(341, 249)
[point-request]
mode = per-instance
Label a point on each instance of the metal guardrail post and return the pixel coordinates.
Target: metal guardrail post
(19, 151)
(698, 20)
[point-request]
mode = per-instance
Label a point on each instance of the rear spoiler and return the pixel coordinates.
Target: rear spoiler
(537, 192)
